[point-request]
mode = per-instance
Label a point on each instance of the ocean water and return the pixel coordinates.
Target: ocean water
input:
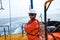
(16, 25)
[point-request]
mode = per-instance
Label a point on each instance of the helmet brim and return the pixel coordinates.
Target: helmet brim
(33, 13)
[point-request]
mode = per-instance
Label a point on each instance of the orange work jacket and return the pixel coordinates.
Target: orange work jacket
(32, 28)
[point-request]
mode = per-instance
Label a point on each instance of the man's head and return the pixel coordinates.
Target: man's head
(32, 14)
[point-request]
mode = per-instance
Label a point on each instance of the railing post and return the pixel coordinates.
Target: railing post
(5, 33)
(22, 30)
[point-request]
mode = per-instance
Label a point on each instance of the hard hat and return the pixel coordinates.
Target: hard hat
(32, 11)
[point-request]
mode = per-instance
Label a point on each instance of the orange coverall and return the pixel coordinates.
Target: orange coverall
(32, 28)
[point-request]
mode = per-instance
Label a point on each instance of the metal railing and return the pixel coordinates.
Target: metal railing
(4, 30)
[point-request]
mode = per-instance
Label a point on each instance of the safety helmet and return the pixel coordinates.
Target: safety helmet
(32, 11)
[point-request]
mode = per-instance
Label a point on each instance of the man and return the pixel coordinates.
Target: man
(32, 28)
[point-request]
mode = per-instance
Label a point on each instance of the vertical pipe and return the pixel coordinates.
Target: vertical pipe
(45, 23)
(10, 18)
(45, 17)
(31, 4)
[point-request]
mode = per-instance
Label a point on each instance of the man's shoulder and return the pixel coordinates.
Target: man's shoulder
(36, 20)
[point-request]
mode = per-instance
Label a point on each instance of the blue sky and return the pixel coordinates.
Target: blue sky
(20, 8)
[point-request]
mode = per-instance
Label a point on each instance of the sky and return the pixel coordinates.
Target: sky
(20, 8)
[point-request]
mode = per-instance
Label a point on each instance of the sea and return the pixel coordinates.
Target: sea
(12, 27)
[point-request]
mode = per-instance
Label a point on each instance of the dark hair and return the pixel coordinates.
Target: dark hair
(32, 13)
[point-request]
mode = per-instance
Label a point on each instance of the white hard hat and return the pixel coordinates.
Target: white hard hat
(32, 11)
